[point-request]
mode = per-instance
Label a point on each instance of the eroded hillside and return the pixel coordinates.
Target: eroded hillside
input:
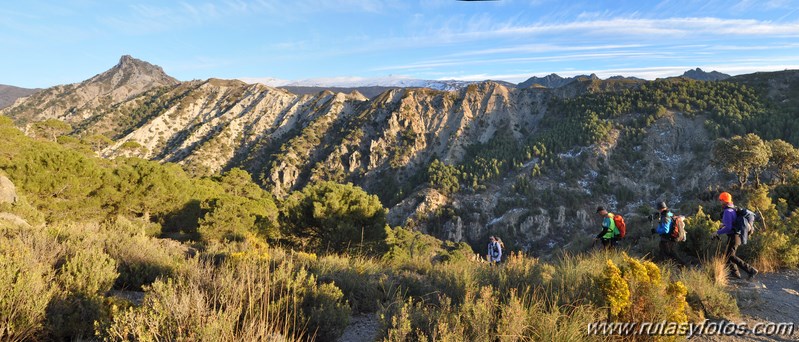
(527, 164)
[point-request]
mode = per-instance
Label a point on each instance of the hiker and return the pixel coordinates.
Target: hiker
(733, 238)
(609, 232)
(666, 230)
(494, 250)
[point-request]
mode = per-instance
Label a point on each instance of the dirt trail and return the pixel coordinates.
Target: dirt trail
(362, 328)
(772, 297)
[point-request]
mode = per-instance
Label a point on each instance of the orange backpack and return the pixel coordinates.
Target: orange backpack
(678, 229)
(619, 221)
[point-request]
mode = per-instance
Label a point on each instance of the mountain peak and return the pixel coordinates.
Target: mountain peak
(549, 81)
(128, 78)
(701, 75)
(134, 72)
(554, 80)
(127, 59)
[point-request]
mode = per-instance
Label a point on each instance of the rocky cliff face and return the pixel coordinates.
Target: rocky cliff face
(287, 139)
(559, 212)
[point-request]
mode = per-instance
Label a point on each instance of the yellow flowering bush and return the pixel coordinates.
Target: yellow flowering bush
(678, 312)
(615, 290)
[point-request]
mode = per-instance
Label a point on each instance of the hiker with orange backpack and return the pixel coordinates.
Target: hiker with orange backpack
(610, 233)
(735, 235)
(669, 233)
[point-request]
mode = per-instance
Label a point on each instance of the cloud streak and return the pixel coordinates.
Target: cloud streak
(637, 27)
(557, 58)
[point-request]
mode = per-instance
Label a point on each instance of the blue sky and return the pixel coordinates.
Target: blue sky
(56, 42)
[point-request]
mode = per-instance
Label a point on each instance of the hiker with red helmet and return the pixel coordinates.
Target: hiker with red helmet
(733, 238)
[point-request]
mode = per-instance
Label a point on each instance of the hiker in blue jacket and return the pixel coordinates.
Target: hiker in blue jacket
(733, 238)
(668, 243)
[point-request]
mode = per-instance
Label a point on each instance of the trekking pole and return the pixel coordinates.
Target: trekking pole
(762, 218)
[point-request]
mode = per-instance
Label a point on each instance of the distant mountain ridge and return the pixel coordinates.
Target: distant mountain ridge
(369, 92)
(352, 83)
(701, 75)
(551, 81)
(9, 94)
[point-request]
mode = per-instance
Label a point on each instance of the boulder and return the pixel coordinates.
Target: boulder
(8, 192)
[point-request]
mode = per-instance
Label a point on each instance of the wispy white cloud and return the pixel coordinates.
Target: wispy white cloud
(747, 5)
(546, 48)
(196, 63)
(550, 58)
(636, 27)
(201, 12)
(283, 8)
(623, 32)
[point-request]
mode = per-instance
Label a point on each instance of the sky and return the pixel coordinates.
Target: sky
(45, 43)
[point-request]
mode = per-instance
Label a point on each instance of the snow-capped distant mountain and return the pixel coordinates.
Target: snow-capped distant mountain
(272, 82)
(359, 82)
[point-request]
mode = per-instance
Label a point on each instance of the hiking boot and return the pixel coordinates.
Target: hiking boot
(753, 274)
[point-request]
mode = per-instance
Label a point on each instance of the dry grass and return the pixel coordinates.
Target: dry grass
(243, 300)
(766, 263)
(717, 268)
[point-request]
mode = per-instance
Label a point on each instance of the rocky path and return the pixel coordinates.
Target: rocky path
(362, 328)
(772, 297)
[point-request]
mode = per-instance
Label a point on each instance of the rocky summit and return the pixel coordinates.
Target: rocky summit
(77, 102)
(701, 75)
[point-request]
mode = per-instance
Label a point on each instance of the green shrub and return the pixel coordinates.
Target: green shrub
(86, 276)
(72, 316)
(326, 216)
(89, 272)
(358, 278)
(25, 291)
(141, 259)
(328, 314)
(443, 177)
(699, 230)
(23, 209)
(407, 246)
